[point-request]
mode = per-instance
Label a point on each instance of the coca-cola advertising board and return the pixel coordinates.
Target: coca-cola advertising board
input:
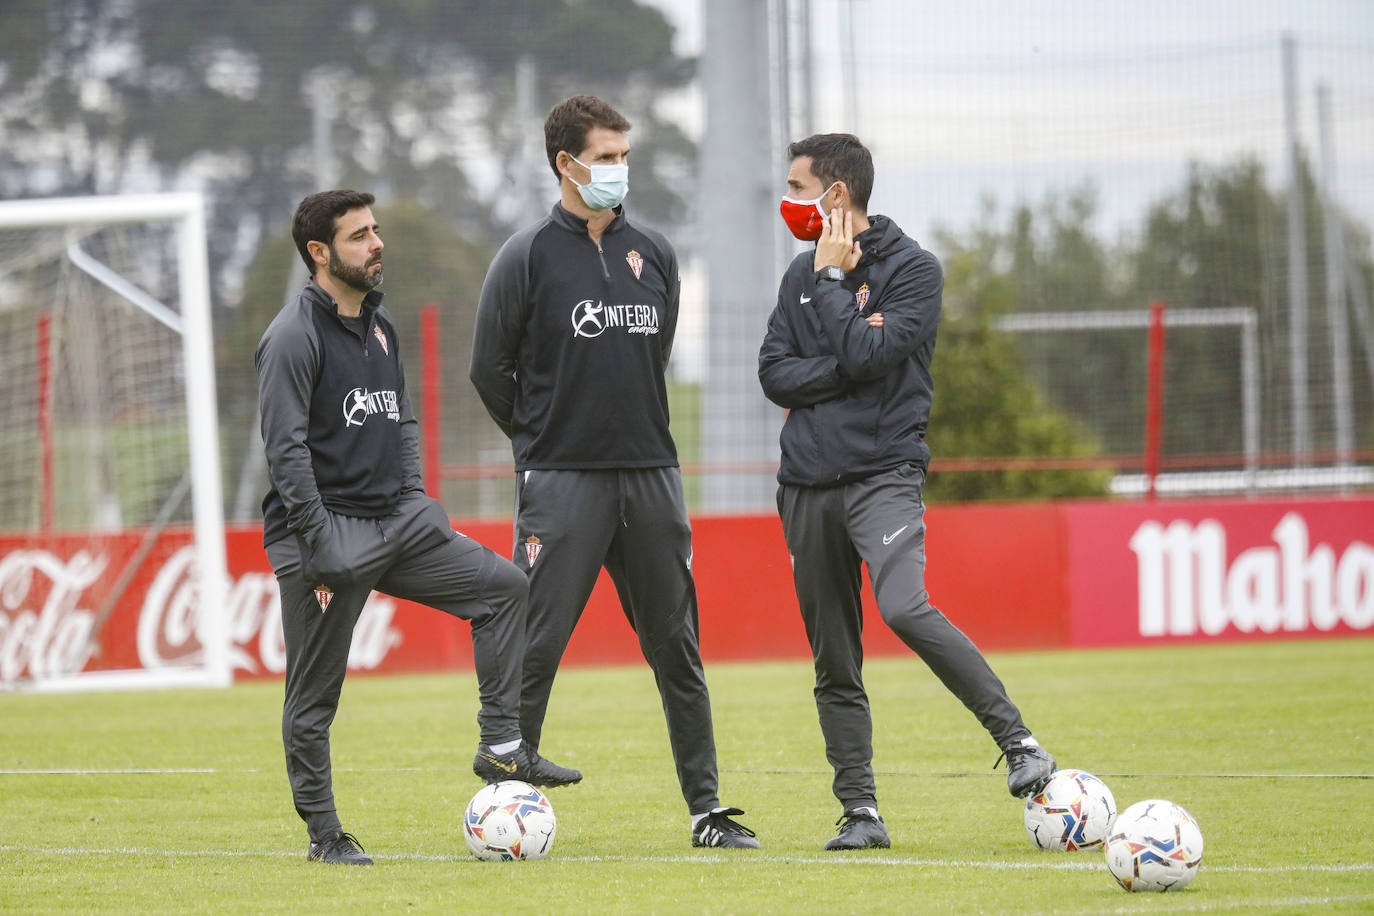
(91, 602)
(1012, 576)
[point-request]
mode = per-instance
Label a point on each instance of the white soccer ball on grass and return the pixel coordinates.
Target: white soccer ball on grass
(1154, 845)
(1071, 812)
(509, 820)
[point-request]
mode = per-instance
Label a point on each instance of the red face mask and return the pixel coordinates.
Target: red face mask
(804, 217)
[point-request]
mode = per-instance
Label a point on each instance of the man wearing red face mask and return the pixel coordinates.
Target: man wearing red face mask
(848, 351)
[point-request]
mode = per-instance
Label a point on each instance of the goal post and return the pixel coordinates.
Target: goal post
(47, 269)
(1246, 355)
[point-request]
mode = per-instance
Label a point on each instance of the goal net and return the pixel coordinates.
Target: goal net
(109, 462)
(1092, 366)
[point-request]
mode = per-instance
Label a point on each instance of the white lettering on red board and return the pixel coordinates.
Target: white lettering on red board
(46, 631)
(54, 638)
(168, 622)
(1185, 585)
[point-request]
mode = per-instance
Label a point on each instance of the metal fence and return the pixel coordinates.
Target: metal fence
(1075, 160)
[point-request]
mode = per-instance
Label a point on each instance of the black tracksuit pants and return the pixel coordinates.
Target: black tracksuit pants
(568, 524)
(880, 522)
(412, 554)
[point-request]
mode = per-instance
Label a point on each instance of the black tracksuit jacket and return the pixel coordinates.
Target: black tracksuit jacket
(858, 397)
(572, 342)
(336, 419)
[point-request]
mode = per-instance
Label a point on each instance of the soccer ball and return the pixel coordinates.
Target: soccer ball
(1072, 811)
(1154, 845)
(509, 820)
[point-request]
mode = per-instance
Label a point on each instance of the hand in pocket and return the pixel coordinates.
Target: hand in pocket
(323, 561)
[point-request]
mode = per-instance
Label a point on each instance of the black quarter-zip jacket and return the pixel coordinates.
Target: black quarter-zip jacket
(336, 419)
(858, 397)
(572, 343)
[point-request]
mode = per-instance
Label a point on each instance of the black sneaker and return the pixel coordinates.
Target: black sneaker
(716, 829)
(341, 849)
(860, 830)
(524, 764)
(1029, 767)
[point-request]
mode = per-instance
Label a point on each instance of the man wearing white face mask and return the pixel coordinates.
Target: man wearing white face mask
(574, 327)
(848, 352)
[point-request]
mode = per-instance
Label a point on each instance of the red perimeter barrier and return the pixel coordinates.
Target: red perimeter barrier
(1012, 576)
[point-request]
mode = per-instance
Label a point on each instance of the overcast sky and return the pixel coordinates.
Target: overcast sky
(972, 100)
(1017, 99)
(989, 28)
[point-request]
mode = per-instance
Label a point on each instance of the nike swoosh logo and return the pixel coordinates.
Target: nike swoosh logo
(508, 767)
(889, 538)
(805, 299)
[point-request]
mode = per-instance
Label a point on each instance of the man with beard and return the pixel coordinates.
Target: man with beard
(848, 352)
(347, 512)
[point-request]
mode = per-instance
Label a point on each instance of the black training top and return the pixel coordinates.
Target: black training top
(336, 419)
(858, 397)
(572, 343)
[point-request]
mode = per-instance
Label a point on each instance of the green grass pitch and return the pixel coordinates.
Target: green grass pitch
(177, 802)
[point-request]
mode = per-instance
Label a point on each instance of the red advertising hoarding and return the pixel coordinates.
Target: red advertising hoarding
(1196, 571)
(1013, 576)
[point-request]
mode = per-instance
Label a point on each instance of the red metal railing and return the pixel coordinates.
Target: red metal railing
(1152, 462)
(1154, 397)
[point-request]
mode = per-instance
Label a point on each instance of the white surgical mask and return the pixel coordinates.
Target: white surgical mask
(607, 187)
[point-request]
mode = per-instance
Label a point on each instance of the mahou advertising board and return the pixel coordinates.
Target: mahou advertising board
(1012, 576)
(1223, 570)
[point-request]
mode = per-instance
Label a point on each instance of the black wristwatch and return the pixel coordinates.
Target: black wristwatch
(829, 273)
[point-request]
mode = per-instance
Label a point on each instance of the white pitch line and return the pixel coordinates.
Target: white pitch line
(138, 851)
(705, 858)
(154, 771)
(965, 774)
(110, 772)
(995, 864)
(1177, 904)
(116, 771)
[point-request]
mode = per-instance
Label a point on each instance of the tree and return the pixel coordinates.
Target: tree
(986, 403)
(106, 96)
(1221, 241)
(102, 96)
(62, 77)
(1057, 261)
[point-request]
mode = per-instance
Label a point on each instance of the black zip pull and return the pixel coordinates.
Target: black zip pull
(605, 271)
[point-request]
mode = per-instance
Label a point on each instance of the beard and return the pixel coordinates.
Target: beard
(357, 277)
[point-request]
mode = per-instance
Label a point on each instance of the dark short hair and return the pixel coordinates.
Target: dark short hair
(317, 216)
(568, 123)
(839, 157)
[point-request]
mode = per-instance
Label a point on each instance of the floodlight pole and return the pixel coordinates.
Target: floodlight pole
(1297, 258)
(741, 180)
(1335, 283)
(1154, 397)
(431, 374)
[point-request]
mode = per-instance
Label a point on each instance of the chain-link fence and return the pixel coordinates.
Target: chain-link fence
(1076, 162)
